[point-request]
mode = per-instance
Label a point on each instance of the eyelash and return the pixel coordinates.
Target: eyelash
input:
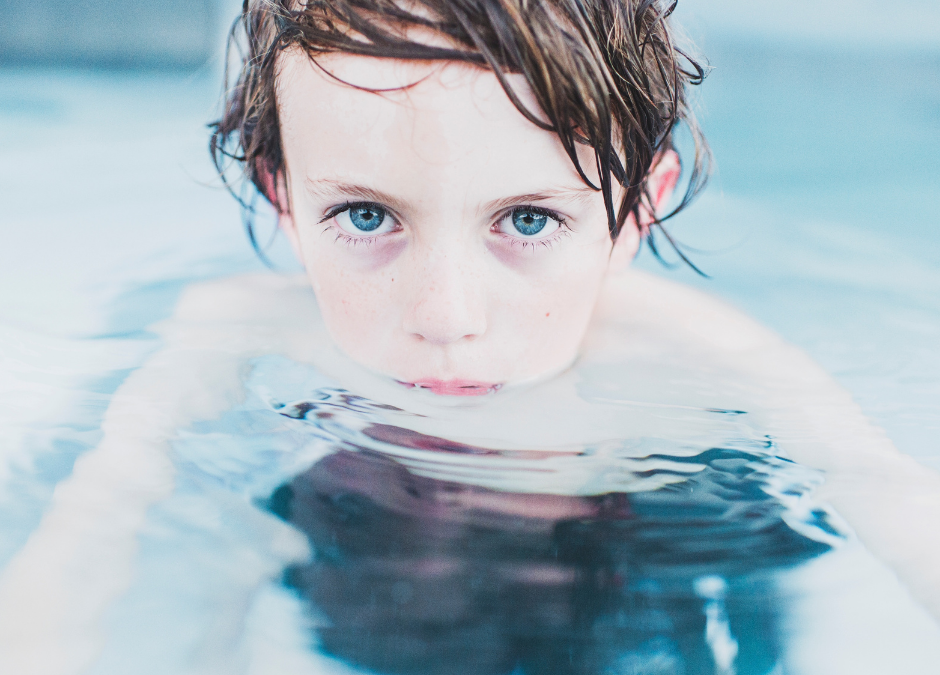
(351, 241)
(348, 239)
(547, 242)
(514, 242)
(336, 210)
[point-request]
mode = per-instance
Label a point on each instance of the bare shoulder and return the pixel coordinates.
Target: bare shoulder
(883, 494)
(650, 303)
(279, 301)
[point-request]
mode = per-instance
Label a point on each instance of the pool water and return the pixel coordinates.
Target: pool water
(623, 554)
(645, 519)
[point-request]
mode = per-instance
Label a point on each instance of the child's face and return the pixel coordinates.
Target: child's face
(450, 242)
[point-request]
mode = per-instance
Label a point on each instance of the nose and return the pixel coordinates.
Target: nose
(447, 299)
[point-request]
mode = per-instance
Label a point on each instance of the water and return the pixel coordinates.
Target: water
(655, 510)
(258, 504)
(440, 566)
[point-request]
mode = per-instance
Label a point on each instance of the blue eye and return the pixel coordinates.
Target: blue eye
(529, 222)
(366, 217)
(364, 220)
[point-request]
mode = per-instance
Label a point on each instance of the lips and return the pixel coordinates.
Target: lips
(454, 387)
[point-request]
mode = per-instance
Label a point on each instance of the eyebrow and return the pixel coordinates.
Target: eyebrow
(581, 194)
(327, 188)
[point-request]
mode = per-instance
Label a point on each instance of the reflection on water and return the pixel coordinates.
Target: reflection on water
(424, 571)
(419, 574)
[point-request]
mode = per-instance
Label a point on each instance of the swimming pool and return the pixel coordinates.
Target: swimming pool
(820, 224)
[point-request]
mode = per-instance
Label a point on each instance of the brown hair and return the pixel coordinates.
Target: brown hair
(605, 73)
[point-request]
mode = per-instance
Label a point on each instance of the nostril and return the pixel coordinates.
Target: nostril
(439, 337)
(444, 323)
(445, 328)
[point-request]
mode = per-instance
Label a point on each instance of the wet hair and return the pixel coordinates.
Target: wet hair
(605, 73)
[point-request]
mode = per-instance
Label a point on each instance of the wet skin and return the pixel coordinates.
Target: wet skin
(450, 242)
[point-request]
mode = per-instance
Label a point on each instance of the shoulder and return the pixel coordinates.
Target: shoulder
(881, 492)
(652, 303)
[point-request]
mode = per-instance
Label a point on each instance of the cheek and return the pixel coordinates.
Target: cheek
(355, 305)
(353, 284)
(549, 309)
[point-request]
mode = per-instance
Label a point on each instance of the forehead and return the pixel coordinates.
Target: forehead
(356, 115)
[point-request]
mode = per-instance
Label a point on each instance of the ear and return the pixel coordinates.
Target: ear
(276, 192)
(662, 181)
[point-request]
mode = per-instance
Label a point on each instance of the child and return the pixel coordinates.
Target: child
(459, 179)
(465, 183)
